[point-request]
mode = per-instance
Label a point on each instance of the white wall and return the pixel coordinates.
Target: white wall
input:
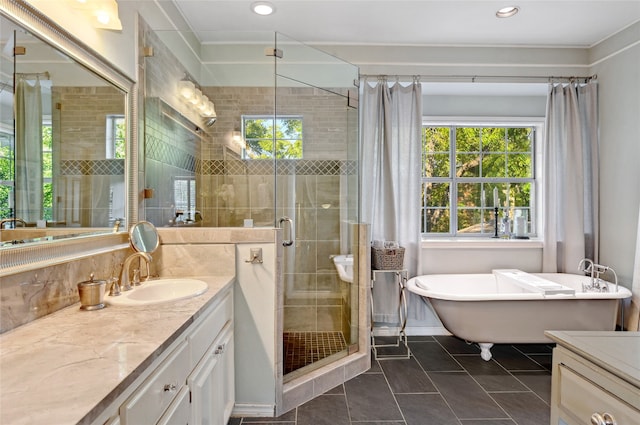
(618, 69)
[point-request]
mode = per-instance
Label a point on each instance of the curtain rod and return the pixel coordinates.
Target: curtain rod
(477, 78)
(44, 75)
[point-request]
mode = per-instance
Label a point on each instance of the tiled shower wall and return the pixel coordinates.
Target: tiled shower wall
(313, 191)
(88, 186)
(170, 152)
(318, 191)
(172, 131)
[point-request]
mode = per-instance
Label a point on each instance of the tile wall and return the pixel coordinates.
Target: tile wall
(89, 188)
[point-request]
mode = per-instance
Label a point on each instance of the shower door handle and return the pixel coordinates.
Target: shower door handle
(287, 242)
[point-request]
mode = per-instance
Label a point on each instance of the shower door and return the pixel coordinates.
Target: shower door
(316, 202)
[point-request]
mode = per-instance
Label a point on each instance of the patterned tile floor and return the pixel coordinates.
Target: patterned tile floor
(304, 348)
(445, 382)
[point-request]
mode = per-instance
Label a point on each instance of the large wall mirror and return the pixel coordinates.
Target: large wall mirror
(66, 133)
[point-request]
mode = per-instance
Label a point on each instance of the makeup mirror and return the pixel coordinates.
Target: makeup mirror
(144, 237)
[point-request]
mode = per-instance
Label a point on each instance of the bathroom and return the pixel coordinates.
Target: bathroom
(618, 212)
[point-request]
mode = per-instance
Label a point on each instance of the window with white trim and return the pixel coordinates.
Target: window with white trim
(462, 164)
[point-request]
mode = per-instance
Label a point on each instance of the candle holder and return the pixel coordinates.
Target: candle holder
(495, 216)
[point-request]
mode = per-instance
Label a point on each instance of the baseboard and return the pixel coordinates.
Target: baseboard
(253, 410)
(426, 330)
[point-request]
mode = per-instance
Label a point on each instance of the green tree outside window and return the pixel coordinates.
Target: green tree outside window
(260, 134)
(461, 167)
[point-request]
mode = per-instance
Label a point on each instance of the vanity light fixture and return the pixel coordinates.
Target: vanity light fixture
(263, 8)
(187, 89)
(103, 14)
(193, 97)
(196, 98)
(507, 12)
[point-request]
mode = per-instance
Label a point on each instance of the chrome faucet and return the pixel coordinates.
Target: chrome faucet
(595, 270)
(124, 276)
(12, 220)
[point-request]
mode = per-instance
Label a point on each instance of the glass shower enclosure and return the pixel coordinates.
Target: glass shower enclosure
(318, 191)
(282, 152)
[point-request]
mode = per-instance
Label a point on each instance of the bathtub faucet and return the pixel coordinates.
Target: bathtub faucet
(595, 271)
(15, 222)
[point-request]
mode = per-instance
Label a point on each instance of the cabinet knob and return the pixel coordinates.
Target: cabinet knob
(169, 388)
(603, 419)
(219, 349)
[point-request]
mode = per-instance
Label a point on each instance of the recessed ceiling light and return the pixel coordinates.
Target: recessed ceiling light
(507, 12)
(263, 8)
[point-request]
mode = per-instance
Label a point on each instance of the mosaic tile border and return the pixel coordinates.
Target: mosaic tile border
(92, 167)
(301, 167)
(166, 153)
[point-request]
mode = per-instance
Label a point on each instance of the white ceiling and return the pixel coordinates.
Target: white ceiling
(581, 23)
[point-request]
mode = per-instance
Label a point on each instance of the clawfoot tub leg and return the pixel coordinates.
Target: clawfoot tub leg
(485, 350)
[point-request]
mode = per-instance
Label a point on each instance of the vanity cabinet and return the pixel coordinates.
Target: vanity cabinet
(194, 381)
(211, 383)
(589, 389)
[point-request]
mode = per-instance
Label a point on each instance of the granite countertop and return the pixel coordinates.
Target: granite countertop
(67, 367)
(616, 352)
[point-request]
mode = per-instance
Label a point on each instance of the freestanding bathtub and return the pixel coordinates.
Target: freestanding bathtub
(517, 308)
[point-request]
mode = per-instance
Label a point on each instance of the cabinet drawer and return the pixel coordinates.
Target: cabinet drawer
(179, 411)
(580, 398)
(156, 393)
(211, 325)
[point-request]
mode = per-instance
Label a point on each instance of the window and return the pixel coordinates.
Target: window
(463, 164)
(259, 134)
(6, 173)
(7, 161)
(184, 194)
(47, 170)
(116, 140)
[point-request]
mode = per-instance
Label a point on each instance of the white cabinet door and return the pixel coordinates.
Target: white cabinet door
(227, 385)
(212, 395)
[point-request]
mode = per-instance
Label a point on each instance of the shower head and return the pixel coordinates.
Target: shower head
(209, 121)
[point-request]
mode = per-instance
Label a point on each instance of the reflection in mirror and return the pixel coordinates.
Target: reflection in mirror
(144, 237)
(63, 154)
(172, 143)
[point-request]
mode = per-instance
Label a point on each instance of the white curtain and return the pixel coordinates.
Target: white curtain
(391, 159)
(28, 179)
(571, 177)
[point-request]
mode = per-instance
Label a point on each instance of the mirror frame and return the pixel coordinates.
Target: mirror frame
(32, 255)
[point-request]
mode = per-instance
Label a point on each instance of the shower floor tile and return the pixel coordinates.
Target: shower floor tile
(303, 348)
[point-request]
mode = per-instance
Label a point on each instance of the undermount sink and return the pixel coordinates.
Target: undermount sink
(159, 291)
